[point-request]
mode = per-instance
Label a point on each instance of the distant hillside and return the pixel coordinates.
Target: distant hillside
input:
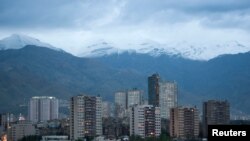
(33, 71)
(224, 77)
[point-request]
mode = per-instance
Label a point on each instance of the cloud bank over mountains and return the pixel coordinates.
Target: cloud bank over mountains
(73, 25)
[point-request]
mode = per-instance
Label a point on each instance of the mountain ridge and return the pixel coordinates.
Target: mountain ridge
(18, 41)
(27, 72)
(184, 49)
(225, 77)
(34, 70)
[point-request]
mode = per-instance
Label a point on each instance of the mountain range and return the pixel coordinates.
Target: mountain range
(29, 69)
(184, 49)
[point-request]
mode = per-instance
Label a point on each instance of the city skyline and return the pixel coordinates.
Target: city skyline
(184, 121)
(137, 98)
(124, 70)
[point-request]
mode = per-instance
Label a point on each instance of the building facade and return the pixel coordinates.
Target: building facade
(168, 97)
(43, 108)
(145, 121)
(55, 138)
(154, 90)
(134, 97)
(120, 104)
(85, 117)
(184, 123)
(20, 129)
(6, 119)
(121, 99)
(125, 99)
(214, 113)
(107, 109)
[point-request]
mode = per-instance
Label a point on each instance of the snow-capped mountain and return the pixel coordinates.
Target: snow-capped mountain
(18, 41)
(189, 50)
(183, 49)
(193, 51)
(101, 48)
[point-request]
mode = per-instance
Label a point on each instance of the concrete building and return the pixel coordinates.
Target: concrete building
(115, 127)
(85, 117)
(55, 138)
(107, 109)
(145, 121)
(134, 97)
(126, 99)
(168, 97)
(154, 90)
(42, 108)
(214, 113)
(184, 123)
(120, 104)
(121, 99)
(20, 129)
(6, 119)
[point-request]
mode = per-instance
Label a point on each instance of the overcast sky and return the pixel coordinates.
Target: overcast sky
(71, 24)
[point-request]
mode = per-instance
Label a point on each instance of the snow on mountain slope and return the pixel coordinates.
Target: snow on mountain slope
(17, 41)
(194, 51)
(184, 49)
(101, 48)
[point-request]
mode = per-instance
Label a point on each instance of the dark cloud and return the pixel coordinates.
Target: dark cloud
(85, 13)
(78, 22)
(49, 13)
(172, 11)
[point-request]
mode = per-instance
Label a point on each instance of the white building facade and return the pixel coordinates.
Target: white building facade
(168, 97)
(134, 97)
(43, 108)
(85, 117)
(145, 121)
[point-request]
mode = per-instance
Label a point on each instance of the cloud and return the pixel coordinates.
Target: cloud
(52, 14)
(85, 13)
(80, 21)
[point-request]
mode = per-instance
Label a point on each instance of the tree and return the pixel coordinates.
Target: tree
(31, 138)
(135, 138)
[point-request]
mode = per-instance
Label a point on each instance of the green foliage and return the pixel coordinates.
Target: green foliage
(135, 138)
(87, 138)
(31, 138)
(162, 137)
(79, 140)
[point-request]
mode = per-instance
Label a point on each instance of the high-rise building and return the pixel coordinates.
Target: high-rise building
(145, 121)
(85, 117)
(121, 99)
(6, 119)
(42, 108)
(126, 99)
(168, 97)
(214, 113)
(107, 109)
(20, 129)
(120, 104)
(184, 123)
(134, 97)
(153, 90)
